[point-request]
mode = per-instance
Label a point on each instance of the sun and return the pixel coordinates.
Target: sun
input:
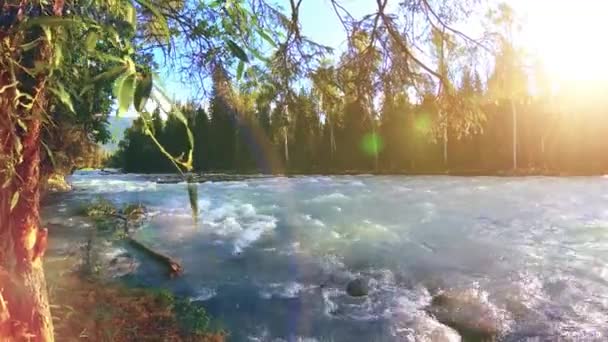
(569, 38)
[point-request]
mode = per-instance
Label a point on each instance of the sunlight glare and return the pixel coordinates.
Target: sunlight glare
(569, 38)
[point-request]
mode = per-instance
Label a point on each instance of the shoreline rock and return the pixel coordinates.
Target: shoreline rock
(464, 311)
(358, 287)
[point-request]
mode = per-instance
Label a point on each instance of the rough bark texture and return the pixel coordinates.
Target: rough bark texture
(24, 308)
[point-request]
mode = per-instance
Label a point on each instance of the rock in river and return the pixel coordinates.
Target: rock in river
(357, 287)
(469, 314)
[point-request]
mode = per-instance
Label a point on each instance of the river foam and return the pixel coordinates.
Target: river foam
(263, 251)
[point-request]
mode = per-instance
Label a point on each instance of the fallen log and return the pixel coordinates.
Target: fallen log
(174, 267)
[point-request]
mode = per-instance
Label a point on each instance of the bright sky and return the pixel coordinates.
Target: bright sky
(568, 36)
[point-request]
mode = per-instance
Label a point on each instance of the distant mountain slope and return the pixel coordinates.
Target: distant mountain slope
(118, 125)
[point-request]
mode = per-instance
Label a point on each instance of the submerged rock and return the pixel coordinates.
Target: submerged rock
(474, 318)
(427, 329)
(120, 266)
(357, 287)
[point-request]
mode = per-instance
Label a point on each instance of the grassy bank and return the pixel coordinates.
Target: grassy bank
(87, 309)
(88, 306)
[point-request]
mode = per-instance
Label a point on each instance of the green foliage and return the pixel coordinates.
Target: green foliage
(124, 91)
(63, 96)
(192, 317)
(108, 218)
(142, 92)
(237, 51)
(164, 297)
(133, 211)
(99, 208)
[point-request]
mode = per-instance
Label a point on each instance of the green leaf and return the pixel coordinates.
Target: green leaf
(91, 41)
(193, 197)
(142, 92)
(49, 153)
(48, 34)
(237, 51)
(50, 21)
(267, 38)
(110, 74)
(239, 70)
(57, 56)
(126, 93)
(259, 56)
(18, 148)
(130, 64)
(22, 124)
(14, 200)
(30, 45)
(118, 84)
(130, 16)
(63, 96)
(123, 90)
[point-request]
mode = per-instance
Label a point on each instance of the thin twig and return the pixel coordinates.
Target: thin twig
(429, 9)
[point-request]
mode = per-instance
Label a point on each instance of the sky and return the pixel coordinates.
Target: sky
(567, 36)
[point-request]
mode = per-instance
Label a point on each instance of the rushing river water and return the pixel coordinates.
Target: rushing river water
(270, 257)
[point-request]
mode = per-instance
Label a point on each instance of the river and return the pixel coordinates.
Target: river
(269, 258)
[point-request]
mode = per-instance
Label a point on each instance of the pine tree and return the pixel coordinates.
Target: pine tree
(306, 128)
(202, 141)
(222, 124)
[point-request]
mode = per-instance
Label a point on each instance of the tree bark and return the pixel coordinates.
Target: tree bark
(514, 147)
(445, 145)
(286, 146)
(24, 308)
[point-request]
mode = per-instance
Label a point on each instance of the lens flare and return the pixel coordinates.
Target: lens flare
(372, 144)
(422, 123)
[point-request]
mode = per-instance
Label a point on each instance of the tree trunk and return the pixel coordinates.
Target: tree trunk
(332, 144)
(286, 146)
(514, 113)
(445, 146)
(24, 308)
(376, 148)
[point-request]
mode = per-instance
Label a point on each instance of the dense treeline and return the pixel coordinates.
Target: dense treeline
(373, 110)
(251, 132)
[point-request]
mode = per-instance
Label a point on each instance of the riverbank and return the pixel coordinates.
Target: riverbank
(230, 175)
(89, 302)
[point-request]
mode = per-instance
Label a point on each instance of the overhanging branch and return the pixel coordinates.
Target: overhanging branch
(399, 41)
(445, 26)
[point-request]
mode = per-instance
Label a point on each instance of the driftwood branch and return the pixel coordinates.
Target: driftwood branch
(174, 267)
